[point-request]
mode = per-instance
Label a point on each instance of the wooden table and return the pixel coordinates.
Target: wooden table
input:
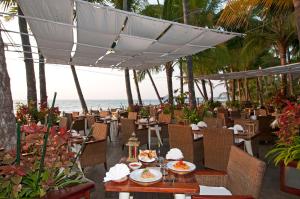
(179, 185)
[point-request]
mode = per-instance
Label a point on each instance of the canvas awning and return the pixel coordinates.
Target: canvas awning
(106, 37)
(276, 70)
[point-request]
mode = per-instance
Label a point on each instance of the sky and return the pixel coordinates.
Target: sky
(96, 83)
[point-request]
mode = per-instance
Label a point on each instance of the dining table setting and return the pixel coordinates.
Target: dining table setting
(153, 174)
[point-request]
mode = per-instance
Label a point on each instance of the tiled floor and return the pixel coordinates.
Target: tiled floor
(270, 189)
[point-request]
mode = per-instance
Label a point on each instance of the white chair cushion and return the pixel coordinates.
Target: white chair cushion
(208, 190)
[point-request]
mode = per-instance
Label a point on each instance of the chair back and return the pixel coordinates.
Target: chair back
(165, 118)
(235, 114)
(104, 113)
(94, 112)
(264, 123)
(63, 123)
(245, 173)
(217, 143)
(127, 128)
(69, 118)
(181, 137)
(261, 112)
(78, 125)
(213, 122)
(90, 121)
(75, 114)
(132, 115)
(99, 131)
(178, 115)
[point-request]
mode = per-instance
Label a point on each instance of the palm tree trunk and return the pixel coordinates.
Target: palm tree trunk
(43, 88)
(204, 90)
(137, 87)
(233, 90)
(297, 15)
(189, 59)
(181, 76)
(227, 90)
(154, 86)
(169, 72)
(246, 89)
(239, 89)
(29, 66)
(290, 75)
(7, 118)
(81, 98)
(282, 55)
(128, 88)
(200, 91)
(211, 90)
(259, 91)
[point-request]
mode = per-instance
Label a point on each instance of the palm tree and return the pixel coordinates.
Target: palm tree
(43, 88)
(7, 118)
(81, 98)
(169, 74)
(192, 98)
(29, 65)
(234, 11)
(137, 87)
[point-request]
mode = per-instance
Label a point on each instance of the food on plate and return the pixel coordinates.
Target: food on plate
(146, 174)
(181, 165)
(147, 155)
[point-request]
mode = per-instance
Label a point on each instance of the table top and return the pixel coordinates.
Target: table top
(172, 183)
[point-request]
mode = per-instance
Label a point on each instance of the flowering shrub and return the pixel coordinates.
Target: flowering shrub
(287, 148)
(22, 180)
(29, 113)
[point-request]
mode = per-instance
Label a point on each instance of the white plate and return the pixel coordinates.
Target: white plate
(192, 167)
(136, 176)
(147, 160)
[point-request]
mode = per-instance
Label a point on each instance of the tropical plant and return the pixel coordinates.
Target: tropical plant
(191, 115)
(144, 112)
(287, 148)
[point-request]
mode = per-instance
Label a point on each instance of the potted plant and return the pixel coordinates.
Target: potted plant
(191, 115)
(41, 164)
(144, 112)
(286, 152)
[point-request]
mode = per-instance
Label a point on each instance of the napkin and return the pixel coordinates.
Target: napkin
(236, 128)
(253, 117)
(107, 117)
(194, 127)
(202, 124)
(117, 172)
(151, 119)
(143, 120)
(174, 154)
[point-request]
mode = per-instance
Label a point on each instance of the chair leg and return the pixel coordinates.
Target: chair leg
(105, 166)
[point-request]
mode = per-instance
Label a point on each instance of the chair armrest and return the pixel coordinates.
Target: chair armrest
(95, 141)
(211, 178)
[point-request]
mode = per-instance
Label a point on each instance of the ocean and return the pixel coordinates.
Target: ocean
(74, 105)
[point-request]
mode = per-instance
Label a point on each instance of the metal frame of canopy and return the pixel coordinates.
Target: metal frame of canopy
(130, 33)
(276, 70)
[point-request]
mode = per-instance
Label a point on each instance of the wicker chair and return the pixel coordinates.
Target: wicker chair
(128, 126)
(243, 177)
(63, 123)
(132, 115)
(90, 121)
(181, 137)
(213, 122)
(104, 113)
(78, 126)
(164, 120)
(217, 143)
(69, 119)
(264, 128)
(75, 114)
(94, 152)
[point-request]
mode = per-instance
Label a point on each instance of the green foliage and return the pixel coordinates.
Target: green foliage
(191, 115)
(211, 105)
(233, 104)
(144, 112)
(286, 152)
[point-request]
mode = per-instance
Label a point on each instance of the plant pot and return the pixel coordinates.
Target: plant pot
(73, 192)
(289, 178)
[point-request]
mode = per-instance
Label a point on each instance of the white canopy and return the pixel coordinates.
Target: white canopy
(276, 70)
(106, 37)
